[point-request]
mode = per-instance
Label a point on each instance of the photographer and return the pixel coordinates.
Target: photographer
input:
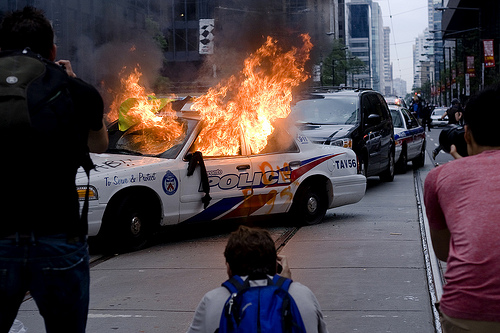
(49, 121)
(251, 254)
(462, 199)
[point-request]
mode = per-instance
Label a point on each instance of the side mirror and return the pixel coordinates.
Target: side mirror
(374, 119)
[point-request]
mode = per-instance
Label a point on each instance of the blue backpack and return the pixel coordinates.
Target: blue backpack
(262, 309)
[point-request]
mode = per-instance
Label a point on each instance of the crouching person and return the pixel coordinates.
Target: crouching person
(252, 264)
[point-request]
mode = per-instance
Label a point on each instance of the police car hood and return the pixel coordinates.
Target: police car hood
(323, 132)
(106, 163)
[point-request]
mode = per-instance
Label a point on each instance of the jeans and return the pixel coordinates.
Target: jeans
(55, 272)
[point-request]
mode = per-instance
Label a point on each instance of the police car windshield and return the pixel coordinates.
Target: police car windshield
(334, 110)
(150, 141)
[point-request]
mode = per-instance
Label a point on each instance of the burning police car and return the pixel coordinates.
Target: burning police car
(146, 180)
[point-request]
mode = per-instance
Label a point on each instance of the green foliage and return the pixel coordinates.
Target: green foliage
(340, 63)
(153, 29)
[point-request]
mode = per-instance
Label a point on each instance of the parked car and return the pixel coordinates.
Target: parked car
(436, 115)
(135, 189)
(358, 119)
(410, 138)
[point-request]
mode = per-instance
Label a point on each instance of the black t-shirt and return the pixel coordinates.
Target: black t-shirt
(451, 114)
(39, 192)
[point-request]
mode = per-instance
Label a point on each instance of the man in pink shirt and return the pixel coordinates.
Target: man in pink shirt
(462, 200)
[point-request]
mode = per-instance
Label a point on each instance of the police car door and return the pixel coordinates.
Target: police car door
(230, 183)
(272, 191)
(417, 135)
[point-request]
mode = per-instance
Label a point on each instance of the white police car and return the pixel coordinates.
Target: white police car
(134, 191)
(409, 136)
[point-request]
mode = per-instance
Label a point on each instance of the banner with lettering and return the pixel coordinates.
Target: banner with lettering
(489, 53)
(470, 66)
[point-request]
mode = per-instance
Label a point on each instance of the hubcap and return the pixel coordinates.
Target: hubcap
(135, 225)
(312, 205)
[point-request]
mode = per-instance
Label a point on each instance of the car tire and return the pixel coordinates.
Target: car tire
(364, 166)
(130, 222)
(309, 205)
(402, 162)
(388, 174)
(419, 161)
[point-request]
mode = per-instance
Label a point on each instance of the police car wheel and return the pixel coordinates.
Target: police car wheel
(310, 206)
(402, 162)
(130, 222)
(420, 160)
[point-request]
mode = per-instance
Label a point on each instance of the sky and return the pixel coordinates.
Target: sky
(407, 20)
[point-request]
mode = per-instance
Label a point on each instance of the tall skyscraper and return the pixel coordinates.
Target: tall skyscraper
(364, 38)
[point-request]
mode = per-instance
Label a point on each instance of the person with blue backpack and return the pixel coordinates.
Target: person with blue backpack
(255, 298)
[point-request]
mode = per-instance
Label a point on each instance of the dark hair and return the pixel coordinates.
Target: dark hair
(251, 251)
(27, 28)
(482, 116)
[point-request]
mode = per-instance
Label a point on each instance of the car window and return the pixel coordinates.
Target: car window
(280, 141)
(336, 110)
(154, 140)
(213, 149)
(379, 105)
(397, 120)
(367, 107)
(411, 122)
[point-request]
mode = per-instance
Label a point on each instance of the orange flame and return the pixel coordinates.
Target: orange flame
(251, 102)
(147, 115)
(246, 104)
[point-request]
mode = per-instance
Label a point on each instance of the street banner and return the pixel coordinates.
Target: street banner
(470, 66)
(489, 53)
(206, 36)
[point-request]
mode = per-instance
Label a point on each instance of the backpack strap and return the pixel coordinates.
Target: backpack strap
(282, 282)
(235, 284)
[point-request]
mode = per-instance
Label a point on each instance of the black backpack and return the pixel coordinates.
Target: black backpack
(37, 115)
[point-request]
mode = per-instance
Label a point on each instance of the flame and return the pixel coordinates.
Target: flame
(145, 114)
(245, 104)
(251, 101)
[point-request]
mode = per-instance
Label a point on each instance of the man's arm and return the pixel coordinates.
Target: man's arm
(441, 243)
(98, 140)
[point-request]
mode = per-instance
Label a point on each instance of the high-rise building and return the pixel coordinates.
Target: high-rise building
(388, 90)
(365, 40)
(399, 86)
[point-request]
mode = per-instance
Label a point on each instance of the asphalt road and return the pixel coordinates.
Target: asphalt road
(369, 264)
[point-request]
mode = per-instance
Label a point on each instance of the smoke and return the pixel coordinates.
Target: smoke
(106, 64)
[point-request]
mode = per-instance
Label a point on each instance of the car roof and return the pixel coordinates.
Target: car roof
(334, 92)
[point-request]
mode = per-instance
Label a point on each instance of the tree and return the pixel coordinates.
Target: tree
(339, 63)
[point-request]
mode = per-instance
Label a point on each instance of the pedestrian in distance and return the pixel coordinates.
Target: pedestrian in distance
(462, 200)
(49, 120)
(452, 111)
(251, 255)
(426, 116)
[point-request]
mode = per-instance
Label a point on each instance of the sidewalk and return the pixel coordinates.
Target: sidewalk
(366, 265)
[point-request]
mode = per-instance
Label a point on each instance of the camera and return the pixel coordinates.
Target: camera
(453, 135)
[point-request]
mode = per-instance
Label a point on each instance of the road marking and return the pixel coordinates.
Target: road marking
(108, 315)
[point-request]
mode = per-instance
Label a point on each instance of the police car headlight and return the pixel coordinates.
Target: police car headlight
(92, 192)
(344, 142)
